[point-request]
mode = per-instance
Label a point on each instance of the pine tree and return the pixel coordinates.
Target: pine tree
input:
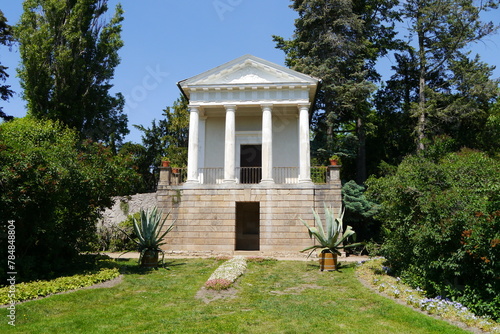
(340, 42)
(443, 30)
(359, 211)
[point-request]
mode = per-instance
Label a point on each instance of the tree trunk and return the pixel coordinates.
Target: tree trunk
(421, 87)
(361, 158)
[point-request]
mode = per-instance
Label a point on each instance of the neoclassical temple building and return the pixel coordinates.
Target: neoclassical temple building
(249, 177)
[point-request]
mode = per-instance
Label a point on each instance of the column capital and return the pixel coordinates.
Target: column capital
(304, 105)
(230, 107)
(266, 106)
(194, 107)
(197, 109)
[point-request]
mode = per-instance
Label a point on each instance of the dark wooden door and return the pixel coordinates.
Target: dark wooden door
(250, 163)
(247, 226)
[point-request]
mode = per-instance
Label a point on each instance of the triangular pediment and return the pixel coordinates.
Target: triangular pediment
(248, 70)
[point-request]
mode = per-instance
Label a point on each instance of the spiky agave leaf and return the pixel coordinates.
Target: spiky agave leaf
(138, 229)
(148, 229)
(319, 231)
(330, 237)
(331, 225)
(160, 226)
(348, 233)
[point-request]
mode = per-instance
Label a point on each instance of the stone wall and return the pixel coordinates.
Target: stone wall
(206, 217)
(126, 205)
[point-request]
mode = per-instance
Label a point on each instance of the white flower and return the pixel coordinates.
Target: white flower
(230, 270)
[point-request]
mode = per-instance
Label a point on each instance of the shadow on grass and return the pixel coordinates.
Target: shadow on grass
(132, 267)
(311, 266)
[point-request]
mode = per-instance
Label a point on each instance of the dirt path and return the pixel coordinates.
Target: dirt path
(135, 255)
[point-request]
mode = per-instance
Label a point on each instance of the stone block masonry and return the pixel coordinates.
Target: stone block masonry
(206, 219)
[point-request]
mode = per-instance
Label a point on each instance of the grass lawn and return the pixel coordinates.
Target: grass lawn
(271, 297)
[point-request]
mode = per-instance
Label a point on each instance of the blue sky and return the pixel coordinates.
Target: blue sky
(170, 40)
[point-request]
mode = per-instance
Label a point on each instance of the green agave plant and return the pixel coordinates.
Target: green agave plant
(331, 237)
(148, 229)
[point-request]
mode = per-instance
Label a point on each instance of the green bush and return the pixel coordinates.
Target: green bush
(440, 225)
(32, 290)
(113, 239)
(123, 242)
(54, 188)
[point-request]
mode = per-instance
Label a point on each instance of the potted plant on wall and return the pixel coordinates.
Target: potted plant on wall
(165, 162)
(334, 160)
(148, 229)
(331, 238)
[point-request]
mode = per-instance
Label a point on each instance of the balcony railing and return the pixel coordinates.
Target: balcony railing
(250, 175)
(211, 175)
(319, 174)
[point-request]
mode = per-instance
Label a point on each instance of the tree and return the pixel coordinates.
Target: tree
(442, 31)
(68, 55)
(153, 140)
(489, 137)
(54, 188)
(393, 138)
(168, 138)
(340, 42)
(177, 131)
(359, 211)
(137, 158)
(6, 39)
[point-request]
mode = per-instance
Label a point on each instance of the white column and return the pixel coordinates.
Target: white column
(229, 147)
(201, 146)
(194, 118)
(304, 145)
(267, 144)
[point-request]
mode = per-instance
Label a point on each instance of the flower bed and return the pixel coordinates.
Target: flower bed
(227, 273)
(375, 274)
(33, 290)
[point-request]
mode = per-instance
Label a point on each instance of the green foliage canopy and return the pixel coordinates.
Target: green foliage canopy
(6, 40)
(440, 220)
(68, 55)
(340, 42)
(54, 188)
(446, 90)
(177, 132)
(166, 138)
